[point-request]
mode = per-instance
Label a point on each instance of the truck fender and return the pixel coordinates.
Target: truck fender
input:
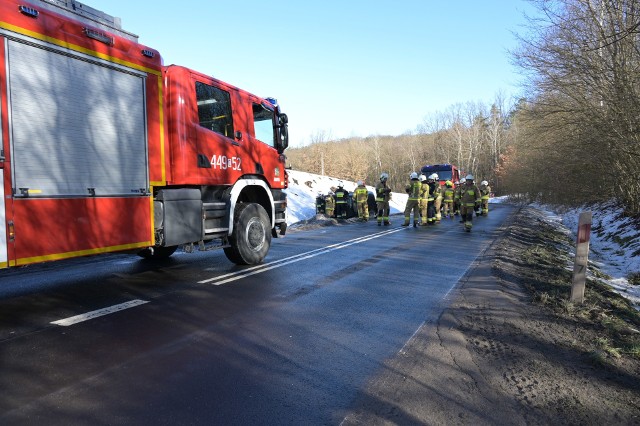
(236, 190)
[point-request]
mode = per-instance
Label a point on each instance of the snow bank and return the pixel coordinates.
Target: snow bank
(614, 245)
(304, 188)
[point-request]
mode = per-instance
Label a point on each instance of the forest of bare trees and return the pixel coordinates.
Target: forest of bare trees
(573, 138)
(471, 136)
(579, 131)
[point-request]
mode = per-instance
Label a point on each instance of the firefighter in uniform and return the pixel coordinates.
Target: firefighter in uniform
(330, 204)
(470, 197)
(485, 190)
(431, 198)
(422, 202)
(341, 201)
(383, 196)
(361, 194)
(413, 189)
(438, 198)
(447, 199)
(456, 197)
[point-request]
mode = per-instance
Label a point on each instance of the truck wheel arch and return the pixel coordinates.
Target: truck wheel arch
(238, 194)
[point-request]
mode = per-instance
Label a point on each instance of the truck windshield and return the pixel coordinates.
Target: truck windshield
(444, 174)
(263, 124)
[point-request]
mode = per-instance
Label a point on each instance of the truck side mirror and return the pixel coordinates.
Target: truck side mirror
(284, 132)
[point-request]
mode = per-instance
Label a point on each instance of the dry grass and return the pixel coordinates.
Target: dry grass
(544, 273)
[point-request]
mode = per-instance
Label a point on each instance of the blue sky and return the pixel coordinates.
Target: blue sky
(342, 68)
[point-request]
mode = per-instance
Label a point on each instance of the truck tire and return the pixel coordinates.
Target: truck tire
(251, 237)
(158, 252)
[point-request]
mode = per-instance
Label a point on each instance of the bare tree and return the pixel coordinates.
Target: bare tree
(584, 61)
(376, 150)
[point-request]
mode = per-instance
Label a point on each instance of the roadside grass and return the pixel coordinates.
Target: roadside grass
(547, 274)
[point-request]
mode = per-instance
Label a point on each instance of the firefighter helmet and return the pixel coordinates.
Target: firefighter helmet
(484, 182)
(340, 184)
(463, 180)
(384, 177)
(469, 177)
(435, 176)
(413, 175)
(423, 178)
(360, 183)
(449, 183)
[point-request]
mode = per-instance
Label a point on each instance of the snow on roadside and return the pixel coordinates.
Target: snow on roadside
(304, 188)
(614, 245)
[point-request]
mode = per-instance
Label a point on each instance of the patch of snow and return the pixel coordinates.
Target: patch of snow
(304, 188)
(614, 244)
(498, 200)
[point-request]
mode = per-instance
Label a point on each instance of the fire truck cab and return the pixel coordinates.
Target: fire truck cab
(103, 148)
(445, 172)
(227, 167)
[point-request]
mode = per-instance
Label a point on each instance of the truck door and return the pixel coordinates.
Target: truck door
(216, 134)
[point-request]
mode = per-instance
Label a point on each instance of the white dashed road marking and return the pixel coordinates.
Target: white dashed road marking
(100, 312)
(227, 278)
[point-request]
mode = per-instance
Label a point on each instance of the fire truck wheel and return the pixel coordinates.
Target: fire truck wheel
(251, 237)
(158, 252)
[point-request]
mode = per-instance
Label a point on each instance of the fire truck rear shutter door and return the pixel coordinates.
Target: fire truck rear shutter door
(76, 124)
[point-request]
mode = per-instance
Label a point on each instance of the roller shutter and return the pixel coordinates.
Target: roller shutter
(77, 127)
(3, 222)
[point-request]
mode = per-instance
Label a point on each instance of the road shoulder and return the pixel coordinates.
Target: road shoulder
(493, 357)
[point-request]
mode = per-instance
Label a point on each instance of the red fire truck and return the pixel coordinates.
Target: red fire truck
(445, 172)
(105, 149)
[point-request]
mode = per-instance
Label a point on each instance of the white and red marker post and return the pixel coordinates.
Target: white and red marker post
(582, 258)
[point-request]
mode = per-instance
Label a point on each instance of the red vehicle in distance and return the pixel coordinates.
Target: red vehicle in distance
(445, 172)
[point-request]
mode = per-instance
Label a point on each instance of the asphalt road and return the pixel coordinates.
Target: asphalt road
(197, 340)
